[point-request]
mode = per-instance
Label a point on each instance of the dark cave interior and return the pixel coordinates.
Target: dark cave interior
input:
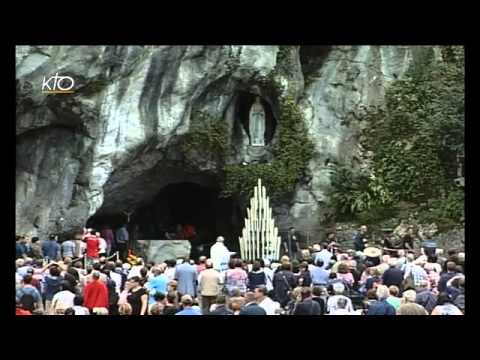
(181, 203)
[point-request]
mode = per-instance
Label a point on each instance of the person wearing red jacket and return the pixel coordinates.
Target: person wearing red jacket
(93, 245)
(95, 293)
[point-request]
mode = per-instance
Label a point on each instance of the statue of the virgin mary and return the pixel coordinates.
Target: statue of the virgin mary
(257, 124)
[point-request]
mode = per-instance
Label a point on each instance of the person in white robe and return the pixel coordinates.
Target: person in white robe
(220, 255)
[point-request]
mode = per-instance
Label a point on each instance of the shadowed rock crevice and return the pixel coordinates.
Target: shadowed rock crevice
(312, 59)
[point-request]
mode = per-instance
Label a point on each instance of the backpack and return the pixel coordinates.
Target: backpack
(28, 302)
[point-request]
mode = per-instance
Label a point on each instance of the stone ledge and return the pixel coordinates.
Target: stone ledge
(161, 250)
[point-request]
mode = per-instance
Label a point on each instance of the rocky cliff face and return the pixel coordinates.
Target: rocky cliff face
(114, 143)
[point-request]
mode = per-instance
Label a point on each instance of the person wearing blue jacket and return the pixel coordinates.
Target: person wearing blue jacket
(51, 285)
(381, 306)
(51, 249)
(157, 284)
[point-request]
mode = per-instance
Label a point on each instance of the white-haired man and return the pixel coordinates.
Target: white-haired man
(332, 303)
(220, 255)
(341, 308)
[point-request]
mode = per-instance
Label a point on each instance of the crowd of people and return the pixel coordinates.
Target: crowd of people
(84, 277)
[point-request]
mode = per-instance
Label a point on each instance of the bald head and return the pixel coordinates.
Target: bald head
(208, 264)
(220, 239)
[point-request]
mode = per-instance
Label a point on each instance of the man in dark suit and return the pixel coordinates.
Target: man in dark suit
(251, 307)
(307, 306)
(221, 307)
(290, 244)
(393, 275)
(360, 238)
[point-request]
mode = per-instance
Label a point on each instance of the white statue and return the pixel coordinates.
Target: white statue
(257, 124)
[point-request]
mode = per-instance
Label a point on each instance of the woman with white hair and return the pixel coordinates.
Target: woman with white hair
(381, 306)
(411, 309)
(409, 296)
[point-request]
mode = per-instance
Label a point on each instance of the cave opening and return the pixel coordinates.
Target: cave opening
(243, 105)
(182, 203)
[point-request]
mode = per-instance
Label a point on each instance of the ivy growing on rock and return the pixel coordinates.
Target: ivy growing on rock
(358, 192)
(415, 140)
(207, 137)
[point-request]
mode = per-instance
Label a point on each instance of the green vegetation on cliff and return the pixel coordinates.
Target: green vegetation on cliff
(208, 137)
(417, 142)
